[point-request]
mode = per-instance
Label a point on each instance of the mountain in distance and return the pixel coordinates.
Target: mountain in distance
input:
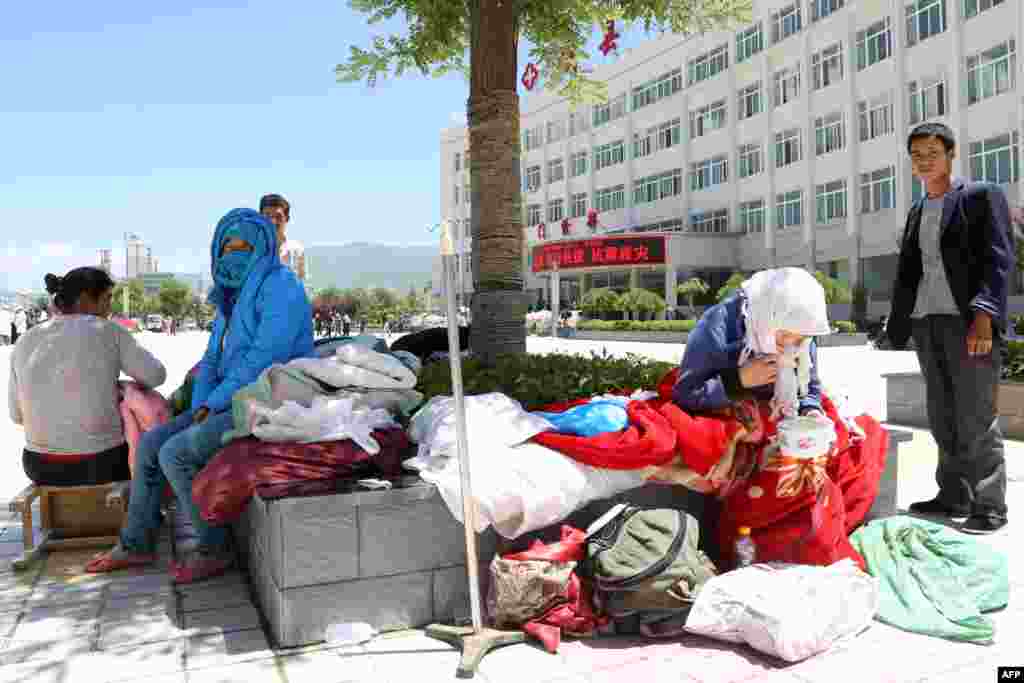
(365, 265)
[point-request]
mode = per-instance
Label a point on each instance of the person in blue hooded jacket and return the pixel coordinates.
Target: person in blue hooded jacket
(733, 353)
(263, 317)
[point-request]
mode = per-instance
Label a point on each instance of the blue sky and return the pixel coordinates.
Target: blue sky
(158, 117)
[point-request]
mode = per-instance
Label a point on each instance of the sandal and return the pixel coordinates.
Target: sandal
(200, 566)
(118, 558)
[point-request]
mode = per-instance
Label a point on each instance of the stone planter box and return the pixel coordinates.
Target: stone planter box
(906, 403)
(625, 336)
(396, 559)
(833, 340)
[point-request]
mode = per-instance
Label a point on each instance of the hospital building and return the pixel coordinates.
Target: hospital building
(781, 143)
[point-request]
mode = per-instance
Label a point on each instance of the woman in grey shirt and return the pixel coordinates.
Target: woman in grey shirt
(63, 384)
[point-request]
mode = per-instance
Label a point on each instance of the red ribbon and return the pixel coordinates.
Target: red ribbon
(530, 76)
(610, 36)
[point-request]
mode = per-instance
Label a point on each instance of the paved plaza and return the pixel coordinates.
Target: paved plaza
(60, 625)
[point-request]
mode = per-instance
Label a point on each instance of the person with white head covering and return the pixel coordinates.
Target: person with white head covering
(737, 348)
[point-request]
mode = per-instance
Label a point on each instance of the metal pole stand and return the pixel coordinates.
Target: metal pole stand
(477, 640)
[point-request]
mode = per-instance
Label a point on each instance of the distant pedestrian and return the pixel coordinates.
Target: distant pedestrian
(955, 261)
(362, 326)
(346, 325)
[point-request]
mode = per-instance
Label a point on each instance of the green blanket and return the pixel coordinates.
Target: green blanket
(934, 580)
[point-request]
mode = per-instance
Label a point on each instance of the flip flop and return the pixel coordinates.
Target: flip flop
(198, 567)
(118, 558)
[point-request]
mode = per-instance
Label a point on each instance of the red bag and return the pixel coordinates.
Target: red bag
(648, 441)
(223, 488)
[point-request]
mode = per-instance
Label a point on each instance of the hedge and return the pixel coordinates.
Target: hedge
(637, 325)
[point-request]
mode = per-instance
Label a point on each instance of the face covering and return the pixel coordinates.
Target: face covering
(232, 268)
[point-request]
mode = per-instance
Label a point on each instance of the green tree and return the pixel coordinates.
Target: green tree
(173, 298)
(480, 39)
(730, 286)
(642, 302)
(136, 296)
(836, 291)
(690, 289)
(599, 301)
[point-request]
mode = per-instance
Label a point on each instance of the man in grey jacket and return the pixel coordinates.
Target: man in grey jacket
(955, 264)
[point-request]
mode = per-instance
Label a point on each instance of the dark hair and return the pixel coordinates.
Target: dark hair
(66, 290)
(268, 201)
(933, 130)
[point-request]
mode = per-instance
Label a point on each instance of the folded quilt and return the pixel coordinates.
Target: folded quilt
(326, 419)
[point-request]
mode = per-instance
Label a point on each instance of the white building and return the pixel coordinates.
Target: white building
(783, 143)
(136, 256)
(106, 260)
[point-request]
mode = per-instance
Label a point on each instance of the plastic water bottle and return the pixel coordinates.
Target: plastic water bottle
(746, 551)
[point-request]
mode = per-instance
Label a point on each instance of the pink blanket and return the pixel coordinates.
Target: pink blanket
(141, 410)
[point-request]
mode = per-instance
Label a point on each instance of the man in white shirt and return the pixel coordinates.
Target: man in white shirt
(278, 211)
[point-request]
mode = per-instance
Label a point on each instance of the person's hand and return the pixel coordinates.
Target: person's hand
(979, 336)
(200, 415)
(759, 371)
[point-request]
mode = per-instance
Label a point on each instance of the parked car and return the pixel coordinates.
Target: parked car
(155, 323)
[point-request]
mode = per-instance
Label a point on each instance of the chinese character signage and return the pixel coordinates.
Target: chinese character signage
(604, 251)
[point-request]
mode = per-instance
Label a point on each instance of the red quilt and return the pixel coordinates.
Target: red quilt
(223, 488)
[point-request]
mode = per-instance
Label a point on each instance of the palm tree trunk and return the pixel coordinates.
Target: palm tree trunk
(499, 302)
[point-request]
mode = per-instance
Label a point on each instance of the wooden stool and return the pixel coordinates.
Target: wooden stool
(72, 517)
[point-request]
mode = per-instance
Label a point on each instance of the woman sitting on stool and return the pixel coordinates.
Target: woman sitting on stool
(63, 385)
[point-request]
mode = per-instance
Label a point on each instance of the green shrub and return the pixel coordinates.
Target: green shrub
(1013, 361)
(637, 325)
(600, 301)
(537, 380)
(845, 326)
(1018, 322)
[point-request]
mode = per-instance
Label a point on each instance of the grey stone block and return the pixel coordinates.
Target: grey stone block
(396, 539)
(319, 541)
(885, 504)
(388, 604)
(451, 593)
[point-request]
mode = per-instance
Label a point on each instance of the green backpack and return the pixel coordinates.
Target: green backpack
(645, 565)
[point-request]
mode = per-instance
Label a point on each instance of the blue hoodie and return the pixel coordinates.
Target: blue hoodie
(268, 320)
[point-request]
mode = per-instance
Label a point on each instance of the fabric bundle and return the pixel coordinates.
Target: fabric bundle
(141, 409)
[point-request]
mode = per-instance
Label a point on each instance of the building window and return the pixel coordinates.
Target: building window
(787, 85)
(714, 222)
(465, 193)
(750, 160)
(458, 162)
(786, 22)
(973, 8)
(749, 42)
(916, 189)
(668, 134)
(789, 209)
(533, 138)
(660, 88)
(533, 178)
(533, 214)
(610, 198)
(609, 154)
(831, 201)
(556, 210)
(578, 122)
(750, 101)
(878, 190)
(874, 44)
(875, 117)
(751, 216)
(787, 147)
(643, 143)
(709, 172)
(707, 65)
(827, 66)
(579, 205)
(456, 194)
(992, 72)
(618, 107)
(578, 161)
(556, 170)
(708, 118)
(610, 111)
(925, 18)
(927, 99)
(556, 130)
(658, 186)
(823, 8)
(829, 134)
(996, 160)
(671, 225)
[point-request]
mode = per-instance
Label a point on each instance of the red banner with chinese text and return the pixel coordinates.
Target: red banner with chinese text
(600, 251)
